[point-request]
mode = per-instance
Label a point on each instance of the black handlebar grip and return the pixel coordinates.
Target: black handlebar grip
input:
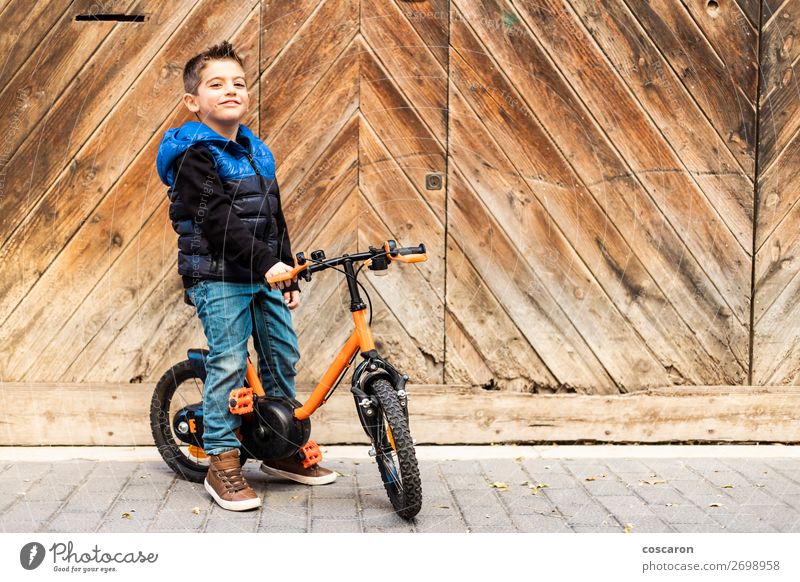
(418, 250)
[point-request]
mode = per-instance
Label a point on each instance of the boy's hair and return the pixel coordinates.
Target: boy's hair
(195, 65)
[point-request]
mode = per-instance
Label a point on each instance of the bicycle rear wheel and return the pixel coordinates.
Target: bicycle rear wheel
(179, 387)
(394, 448)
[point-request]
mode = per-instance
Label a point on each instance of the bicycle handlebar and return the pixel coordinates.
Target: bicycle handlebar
(390, 250)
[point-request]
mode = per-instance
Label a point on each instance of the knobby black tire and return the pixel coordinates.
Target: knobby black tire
(161, 423)
(407, 498)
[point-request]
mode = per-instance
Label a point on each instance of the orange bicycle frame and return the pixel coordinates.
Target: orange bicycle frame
(360, 339)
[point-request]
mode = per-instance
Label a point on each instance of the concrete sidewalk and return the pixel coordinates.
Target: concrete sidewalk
(465, 489)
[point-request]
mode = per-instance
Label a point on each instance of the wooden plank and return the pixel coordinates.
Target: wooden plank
(115, 221)
(482, 336)
(602, 169)
(90, 414)
(539, 242)
(582, 220)
(289, 79)
(685, 135)
(401, 129)
(161, 312)
(696, 218)
(464, 364)
(405, 291)
(776, 345)
(411, 65)
(24, 27)
(429, 18)
(40, 80)
(281, 21)
(106, 79)
(401, 207)
(527, 297)
(323, 321)
(422, 363)
(777, 261)
(327, 184)
(780, 47)
(780, 118)
(140, 342)
(778, 193)
(63, 53)
(734, 40)
(724, 94)
(311, 127)
(770, 9)
(751, 8)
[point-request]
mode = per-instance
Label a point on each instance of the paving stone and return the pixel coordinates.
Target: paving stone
(273, 528)
(444, 524)
(586, 514)
(650, 524)
(49, 492)
(484, 516)
(626, 507)
(669, 469)
(468, 498)
(333, 508)
(230, 527)
(84, 521)
(140, 508)
(597, 529)
(566, 497)
(752, 496)
(493, 530)
(323, 525)
(172, 520)
(711, 527)
(682, 514)
(460, 467)
(618, 466)
(607, 486)
(465, 481)
(339, 489)
(528, 503)
(87, 500)
(378, 518)
(659, 494)
(29, 515)
(582, 469)
(540, 524)
(556, 481)
(389, 529)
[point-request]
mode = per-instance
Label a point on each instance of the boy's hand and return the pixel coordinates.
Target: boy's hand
(292, 298)
(277, 269)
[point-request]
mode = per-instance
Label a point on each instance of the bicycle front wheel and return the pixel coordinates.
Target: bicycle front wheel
(395, 454)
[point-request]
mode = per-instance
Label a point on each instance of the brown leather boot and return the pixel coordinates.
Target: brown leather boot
(292, 468)
(227, 485)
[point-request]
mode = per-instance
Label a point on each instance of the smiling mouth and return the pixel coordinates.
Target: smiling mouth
(230, 103)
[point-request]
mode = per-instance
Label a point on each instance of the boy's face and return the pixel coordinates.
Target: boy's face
(222, 98)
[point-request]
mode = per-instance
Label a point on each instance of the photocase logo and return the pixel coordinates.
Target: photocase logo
(31, 555)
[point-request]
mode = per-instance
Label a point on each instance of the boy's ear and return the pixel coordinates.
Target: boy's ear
(191, 102)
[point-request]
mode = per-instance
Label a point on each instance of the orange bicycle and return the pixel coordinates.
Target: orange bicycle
(277, 428)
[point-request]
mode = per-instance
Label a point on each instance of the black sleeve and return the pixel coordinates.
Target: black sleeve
(201, 191)
(284, 245)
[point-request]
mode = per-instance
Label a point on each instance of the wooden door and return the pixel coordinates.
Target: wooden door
(776, 316)
(600, 202)
(354, 108)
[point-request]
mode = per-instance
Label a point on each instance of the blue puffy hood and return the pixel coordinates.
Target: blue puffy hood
(177, 140)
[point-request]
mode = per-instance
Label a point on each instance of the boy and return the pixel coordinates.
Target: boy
(225, 207)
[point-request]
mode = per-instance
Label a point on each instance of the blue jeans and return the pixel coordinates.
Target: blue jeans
(230, 314)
